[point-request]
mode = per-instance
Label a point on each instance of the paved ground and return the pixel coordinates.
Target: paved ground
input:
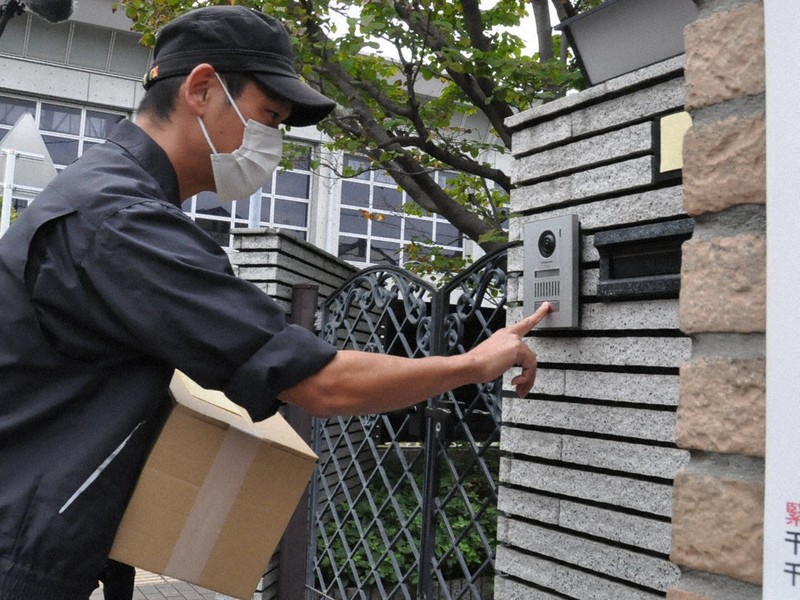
(155, 587)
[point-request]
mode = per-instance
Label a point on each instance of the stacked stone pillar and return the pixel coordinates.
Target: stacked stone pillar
(718, 511)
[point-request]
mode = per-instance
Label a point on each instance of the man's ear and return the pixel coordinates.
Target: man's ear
(195, 88)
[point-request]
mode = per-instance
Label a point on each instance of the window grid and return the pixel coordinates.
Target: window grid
(285, 204)
(63, 126)
(67, 130)
(373, 228)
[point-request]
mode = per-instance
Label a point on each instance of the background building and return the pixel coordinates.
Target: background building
(78, 78)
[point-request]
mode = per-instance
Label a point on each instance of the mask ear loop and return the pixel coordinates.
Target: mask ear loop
(205, 134)
(236, 108)
(230, 98)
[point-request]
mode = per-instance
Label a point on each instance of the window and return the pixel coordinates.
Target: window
(373, 229)
(285, 203)
(68, 131)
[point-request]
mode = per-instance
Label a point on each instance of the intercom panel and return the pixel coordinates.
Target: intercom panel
(551, 265)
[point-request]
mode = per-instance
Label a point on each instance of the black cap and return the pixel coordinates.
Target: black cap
(235, 39)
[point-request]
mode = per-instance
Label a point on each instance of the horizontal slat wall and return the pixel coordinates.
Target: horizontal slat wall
(276, 261)
(589, 456)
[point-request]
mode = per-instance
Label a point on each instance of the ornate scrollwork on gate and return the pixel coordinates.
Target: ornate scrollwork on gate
(379, 300)
(388, 486)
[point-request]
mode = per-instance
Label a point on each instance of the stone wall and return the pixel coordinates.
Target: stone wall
(590, 456)
(635, 468)
(275, 261)
(718, 513)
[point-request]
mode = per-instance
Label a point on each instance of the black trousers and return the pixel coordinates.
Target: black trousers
(117, 579)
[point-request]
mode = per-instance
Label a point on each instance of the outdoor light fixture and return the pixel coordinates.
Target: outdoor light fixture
(621, 36)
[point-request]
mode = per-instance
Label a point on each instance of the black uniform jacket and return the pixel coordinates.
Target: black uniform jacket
(105, 288)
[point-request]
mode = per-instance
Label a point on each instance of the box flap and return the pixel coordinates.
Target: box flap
(218, 409)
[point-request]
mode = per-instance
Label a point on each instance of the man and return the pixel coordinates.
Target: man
(106, 287)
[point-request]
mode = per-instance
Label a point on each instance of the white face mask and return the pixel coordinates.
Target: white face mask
(239, 174)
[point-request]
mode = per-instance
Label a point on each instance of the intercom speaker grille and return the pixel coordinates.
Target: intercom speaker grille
(547, 289)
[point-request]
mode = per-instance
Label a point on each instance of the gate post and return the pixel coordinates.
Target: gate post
(434, 429)
(293, 565)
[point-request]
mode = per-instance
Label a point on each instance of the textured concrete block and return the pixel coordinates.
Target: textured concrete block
(561, 579)
(641, 569)
(528, 505)
(723, 406)
(634, 388)
(618, 316)
(658, 99)
(627, 492)
(623, 351)
(639, 459)
(718, 526)
(723, 285)
(725, 56)
(548, 133)
(618, 177)
(509, 589)
(633, 530)
(531, 443)
(725, 164)
(639, 315)
(630, 209)
(634, 423)
(606, 147)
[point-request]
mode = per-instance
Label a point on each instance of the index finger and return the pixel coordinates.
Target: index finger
(523, 326)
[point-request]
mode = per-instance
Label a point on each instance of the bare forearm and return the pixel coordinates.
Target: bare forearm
(364, 383)
(356, 383)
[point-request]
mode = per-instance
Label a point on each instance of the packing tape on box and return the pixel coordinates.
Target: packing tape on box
(212, 504)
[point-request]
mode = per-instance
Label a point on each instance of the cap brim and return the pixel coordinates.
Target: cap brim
(308, 105)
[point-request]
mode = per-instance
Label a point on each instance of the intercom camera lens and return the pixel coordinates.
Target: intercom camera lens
(547, 244)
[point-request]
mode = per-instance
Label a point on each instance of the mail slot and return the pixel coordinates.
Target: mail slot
(642, 261)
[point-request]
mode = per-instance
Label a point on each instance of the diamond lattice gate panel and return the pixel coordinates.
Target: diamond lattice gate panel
(404, 503)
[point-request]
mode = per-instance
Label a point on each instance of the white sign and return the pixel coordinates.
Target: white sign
(782, 480)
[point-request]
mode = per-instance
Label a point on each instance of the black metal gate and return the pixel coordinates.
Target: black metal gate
(404, 503)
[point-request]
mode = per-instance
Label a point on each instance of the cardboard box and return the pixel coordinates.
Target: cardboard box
(215, 495)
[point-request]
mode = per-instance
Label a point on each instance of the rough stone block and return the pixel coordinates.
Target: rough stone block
(722, 406)
(717, 526)
(725, 56)
(723, 285)
(676, 594)
(725, 164)
(697, 585)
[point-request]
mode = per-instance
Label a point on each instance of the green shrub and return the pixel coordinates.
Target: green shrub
(359, 552)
